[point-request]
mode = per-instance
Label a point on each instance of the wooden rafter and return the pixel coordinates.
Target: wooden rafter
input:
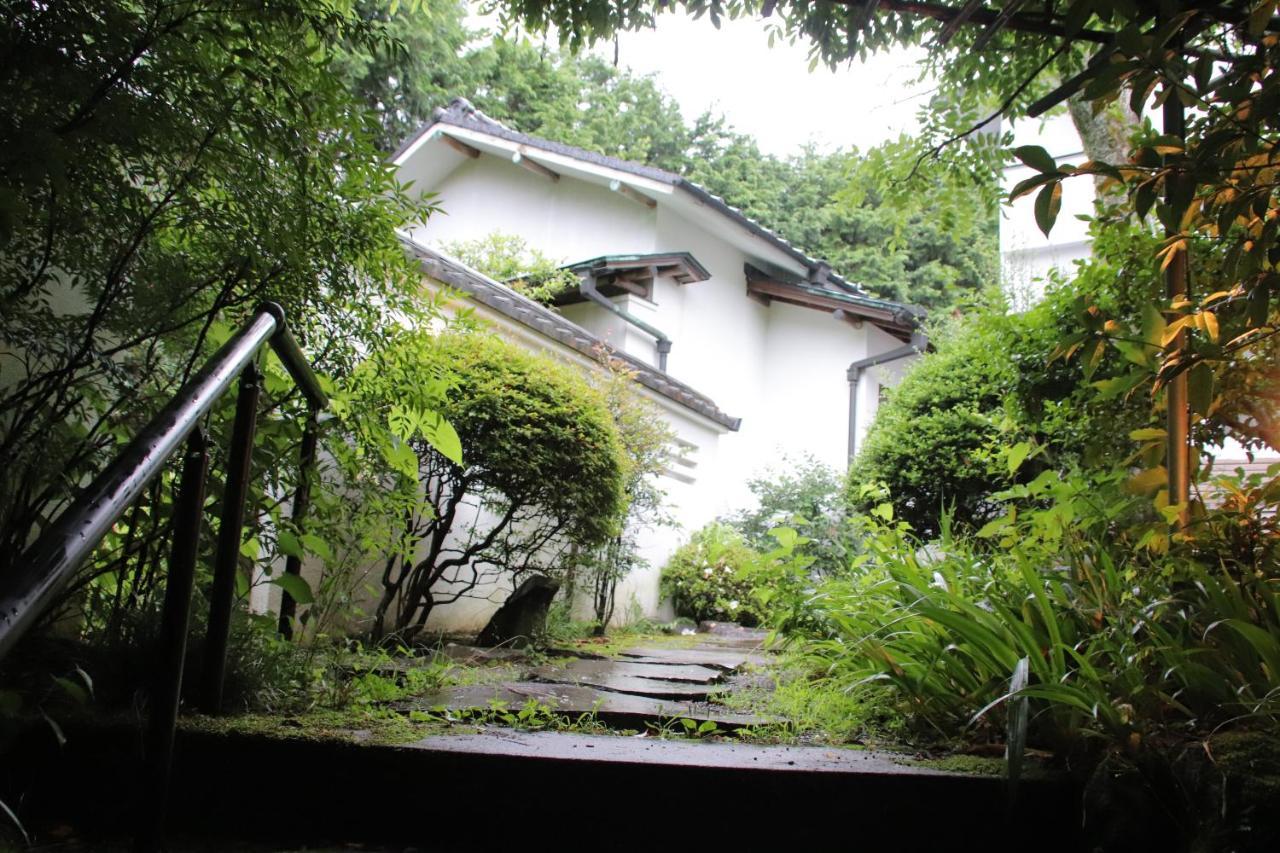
(622, 189)
(459, 146)
(521, 158)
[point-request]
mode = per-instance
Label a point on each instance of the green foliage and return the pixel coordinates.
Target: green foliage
(159, 176)
(709, 577)
(511, 260)
(834, 207)
(1118, 641)
(808, 497)
(997, 382)
(542, 469)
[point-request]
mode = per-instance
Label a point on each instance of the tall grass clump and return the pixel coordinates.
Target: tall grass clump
(1117, 641)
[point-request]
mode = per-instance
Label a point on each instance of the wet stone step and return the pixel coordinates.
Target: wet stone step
(666, 672)
(651, 687)
(726, 659)
(616, 709)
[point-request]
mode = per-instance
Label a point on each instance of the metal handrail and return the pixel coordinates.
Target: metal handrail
(49, 564)
(53, 559)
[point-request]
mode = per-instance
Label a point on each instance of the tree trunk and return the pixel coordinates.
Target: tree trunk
(1104, 136)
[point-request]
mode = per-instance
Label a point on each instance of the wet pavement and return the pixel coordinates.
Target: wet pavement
(644, 686)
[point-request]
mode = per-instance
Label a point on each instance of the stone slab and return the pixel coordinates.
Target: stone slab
(719, 658)
(665, 672)
(574, 700)
(651, 687)
(681, 752)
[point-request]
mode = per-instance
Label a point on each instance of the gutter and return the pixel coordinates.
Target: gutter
(918, 344)
(589, 290)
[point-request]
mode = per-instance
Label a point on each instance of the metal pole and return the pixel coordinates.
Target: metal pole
(301, 503)
(230, 528)
(175, 621)
(1178, 462)
(47, 565)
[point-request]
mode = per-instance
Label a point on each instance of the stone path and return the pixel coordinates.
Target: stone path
(644, 685)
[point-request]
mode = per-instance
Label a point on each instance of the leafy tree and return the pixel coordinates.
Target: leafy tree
(998, 381)
(540, 469)
(416, 70)
(159, 175)
(807, 496)
(1211, 173)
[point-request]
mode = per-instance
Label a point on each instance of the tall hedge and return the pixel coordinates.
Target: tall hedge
(994, 381)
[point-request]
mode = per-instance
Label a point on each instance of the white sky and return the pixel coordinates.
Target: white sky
(769, 92)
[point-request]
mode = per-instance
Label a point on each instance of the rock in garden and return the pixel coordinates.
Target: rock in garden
(522, 616)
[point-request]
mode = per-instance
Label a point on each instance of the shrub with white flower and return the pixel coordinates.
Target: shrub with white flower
(711, 577)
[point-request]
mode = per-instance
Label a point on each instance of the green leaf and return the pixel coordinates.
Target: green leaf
(1048, 203)
(444, 439)
(1036, 157)
(251, 548)
(1017, 455)
(400, 456)
(1153, 326)
(289, 545)
(316, 545)
(996, 526)
(1200, 387)
(299, 590)
(786, 536)
(1145, 482)
(1148, 434)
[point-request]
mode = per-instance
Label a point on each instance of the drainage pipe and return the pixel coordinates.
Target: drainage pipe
(918, 344)
(589, 289)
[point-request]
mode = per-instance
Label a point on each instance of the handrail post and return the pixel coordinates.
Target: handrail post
(230, 529)
(301, 504)
(166, 694)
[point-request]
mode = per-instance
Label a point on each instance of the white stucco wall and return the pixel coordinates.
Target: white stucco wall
(566, 220)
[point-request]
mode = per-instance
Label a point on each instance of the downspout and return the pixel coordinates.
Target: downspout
(918, 344)
(588, 289)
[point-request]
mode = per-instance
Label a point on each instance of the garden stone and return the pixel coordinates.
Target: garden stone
(523, 615)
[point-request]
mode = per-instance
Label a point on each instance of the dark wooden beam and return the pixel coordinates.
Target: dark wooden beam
(460, 146)
(776, 290)
(984, 38)
(521, 159)
(951, 27)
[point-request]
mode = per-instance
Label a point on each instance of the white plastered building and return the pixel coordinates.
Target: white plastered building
(743, 343)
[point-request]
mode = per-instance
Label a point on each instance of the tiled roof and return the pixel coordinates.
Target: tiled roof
(525, 311)
(461, 113)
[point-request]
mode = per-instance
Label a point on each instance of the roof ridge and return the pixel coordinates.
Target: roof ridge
(462, 113)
